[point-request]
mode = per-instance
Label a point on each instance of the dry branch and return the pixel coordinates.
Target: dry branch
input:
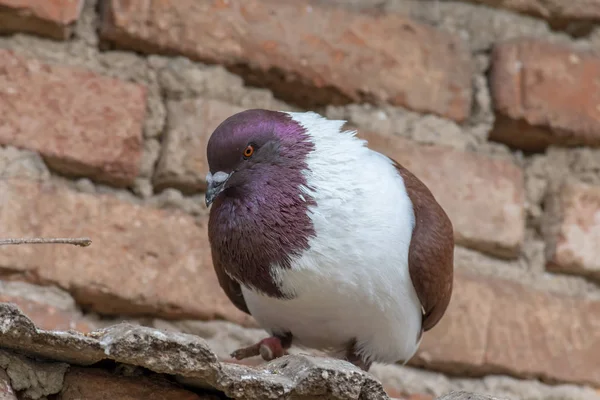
(83, 242)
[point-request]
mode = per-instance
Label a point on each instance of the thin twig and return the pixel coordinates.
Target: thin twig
(83, 242)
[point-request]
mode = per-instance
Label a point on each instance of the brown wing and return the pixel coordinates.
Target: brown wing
(431, 251)
(231, 288)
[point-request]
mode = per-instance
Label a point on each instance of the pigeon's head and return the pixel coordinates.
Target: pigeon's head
(254, 150)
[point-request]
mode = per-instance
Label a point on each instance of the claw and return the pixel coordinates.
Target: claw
(269, 349)
(246, 352)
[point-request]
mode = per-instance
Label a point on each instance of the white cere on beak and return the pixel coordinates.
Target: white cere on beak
(218, 177)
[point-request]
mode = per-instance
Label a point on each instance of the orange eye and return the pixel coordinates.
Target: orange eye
(248, 151)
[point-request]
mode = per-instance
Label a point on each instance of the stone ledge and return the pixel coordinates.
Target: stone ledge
(190, 360)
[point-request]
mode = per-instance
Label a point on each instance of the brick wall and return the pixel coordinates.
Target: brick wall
(106, 107)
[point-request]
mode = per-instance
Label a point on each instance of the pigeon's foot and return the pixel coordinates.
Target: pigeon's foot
(269, 348)
(354, 358)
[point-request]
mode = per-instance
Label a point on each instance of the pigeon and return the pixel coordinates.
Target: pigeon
(326, 243)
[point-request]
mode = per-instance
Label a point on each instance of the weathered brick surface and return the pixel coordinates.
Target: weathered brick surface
(573, 231)
(533, 333)
(545, 94)
(49, 317)
(461, 337)
(500, 326)
(142, 260)
(83, 124)
(484, 197)
(53, 18)
(190, 123)
(98, 384)
(553, 10)
(321, 54)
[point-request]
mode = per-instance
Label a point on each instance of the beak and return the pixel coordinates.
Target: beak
(216, 184)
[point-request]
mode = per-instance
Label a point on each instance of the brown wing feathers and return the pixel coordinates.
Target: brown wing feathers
(431, 251)
(231, 288)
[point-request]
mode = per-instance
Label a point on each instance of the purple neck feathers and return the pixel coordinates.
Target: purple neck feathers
(264, 222)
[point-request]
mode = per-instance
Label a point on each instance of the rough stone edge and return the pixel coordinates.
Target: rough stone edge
(34, 379)
(189, 358)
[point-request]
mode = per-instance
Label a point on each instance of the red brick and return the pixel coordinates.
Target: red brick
(559, 11)
(573, 234)
(53, 18)
(495, 326)
(182, 163)
(322, 54)
(545, 94)
(97, 384)
(536, 333)
(83, 124)
(49, 317)
(484, 197)
(142, 260)
(461, 338)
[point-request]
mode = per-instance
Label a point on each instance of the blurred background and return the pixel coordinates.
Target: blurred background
(106, 107)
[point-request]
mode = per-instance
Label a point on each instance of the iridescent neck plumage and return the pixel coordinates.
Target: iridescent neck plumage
(263, 220)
